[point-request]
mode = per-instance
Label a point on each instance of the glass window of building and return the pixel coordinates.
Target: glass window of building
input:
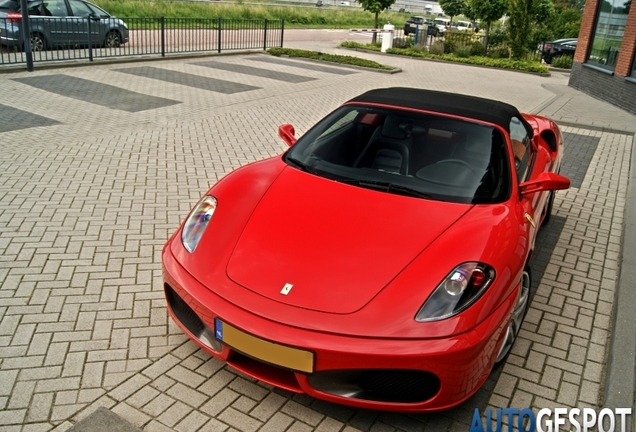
(608, 34)
(634, 67)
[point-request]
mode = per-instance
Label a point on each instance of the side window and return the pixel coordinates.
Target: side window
(56, 8)
(340, 123)
(80, 9)
(521, 148)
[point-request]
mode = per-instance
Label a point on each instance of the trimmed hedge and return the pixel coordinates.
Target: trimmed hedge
(502, 63)
(334, 58)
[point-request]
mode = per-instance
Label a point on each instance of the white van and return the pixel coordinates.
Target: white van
(464, 25)
(441, 23)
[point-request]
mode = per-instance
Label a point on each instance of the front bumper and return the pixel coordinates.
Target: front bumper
(389, 374)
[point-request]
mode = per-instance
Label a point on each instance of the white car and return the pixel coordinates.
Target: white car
(442, 24)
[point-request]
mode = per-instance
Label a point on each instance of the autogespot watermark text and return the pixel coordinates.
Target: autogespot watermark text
(551, 420)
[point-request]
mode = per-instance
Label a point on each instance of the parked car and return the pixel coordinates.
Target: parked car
(62, 23)
(464, 25)
(552, 49)
(413, 22)
(382, 261)
(442, 24)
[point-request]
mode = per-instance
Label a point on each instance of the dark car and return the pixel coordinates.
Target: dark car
(61, 23)
(556, 48)
(414, 22)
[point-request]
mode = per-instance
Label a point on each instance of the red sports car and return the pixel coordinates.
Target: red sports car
(383, 260)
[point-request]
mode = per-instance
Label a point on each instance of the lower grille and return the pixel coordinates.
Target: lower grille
(190, 320)
(381, 385)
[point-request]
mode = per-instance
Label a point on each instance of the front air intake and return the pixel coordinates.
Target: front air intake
(380, 385)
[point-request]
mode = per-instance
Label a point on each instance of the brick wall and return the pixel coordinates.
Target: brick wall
(628, 46)
(585, 34)
(613, 89)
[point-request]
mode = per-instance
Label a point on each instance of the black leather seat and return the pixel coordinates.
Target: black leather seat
(388, 147)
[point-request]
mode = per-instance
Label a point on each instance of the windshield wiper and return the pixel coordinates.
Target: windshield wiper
(302, 165)
(388, 187)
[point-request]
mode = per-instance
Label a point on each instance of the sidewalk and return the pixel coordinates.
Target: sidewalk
(100, 163)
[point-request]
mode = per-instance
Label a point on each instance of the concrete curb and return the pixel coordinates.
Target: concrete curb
(621, 363)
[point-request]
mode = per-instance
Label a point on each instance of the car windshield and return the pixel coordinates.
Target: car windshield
(408, 153)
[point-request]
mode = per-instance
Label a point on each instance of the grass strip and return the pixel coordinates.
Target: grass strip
(333, 58)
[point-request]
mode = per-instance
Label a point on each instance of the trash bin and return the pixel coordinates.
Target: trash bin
(387, 37)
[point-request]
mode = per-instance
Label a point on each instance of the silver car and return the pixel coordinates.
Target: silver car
(61, 23)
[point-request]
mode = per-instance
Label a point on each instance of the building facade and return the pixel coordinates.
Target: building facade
(605, 58)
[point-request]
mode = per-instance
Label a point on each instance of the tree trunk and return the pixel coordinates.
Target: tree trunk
(487, 36)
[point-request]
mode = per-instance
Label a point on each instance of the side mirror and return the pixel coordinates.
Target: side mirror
(545, 182)
(286, 132)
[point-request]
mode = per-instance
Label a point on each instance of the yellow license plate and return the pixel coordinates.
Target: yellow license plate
(260, 349)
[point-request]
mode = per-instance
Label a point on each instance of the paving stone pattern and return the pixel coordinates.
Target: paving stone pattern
(15, 119)
(86, 205)
(96, 93)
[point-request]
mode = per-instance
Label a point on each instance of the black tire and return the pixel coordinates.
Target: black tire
(112, 40)
(38, 43)
(518, 315)
(548, 210)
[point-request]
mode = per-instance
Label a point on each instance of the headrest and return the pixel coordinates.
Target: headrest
(393, 129)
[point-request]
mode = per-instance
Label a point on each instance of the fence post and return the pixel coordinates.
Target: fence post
(282, 31)
(90, 44)
(265, 37)
(219, 23)
(26, 35)
(162, 20)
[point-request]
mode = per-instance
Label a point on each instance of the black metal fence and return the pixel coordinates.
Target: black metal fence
(89, 38)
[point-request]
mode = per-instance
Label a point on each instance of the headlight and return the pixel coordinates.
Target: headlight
(197, 222)
(461, 288)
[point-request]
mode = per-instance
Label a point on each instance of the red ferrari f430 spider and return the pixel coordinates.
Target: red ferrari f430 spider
(382, 261)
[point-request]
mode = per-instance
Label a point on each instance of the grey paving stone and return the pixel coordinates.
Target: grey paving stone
(96, 93)
(260, 72)
(103, 420)
(190, 80)
(302, 65)
(14, 119)
(86, 206)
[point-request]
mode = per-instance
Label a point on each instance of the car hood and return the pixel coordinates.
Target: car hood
(337, 245)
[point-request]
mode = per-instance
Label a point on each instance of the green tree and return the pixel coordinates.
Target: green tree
(488, 11)
(375, 7)
(452, 8)
(519, 25)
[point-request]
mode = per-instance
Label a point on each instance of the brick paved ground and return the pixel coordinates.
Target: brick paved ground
(89, 193)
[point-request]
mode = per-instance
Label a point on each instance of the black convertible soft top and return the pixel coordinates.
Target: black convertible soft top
(472, 107)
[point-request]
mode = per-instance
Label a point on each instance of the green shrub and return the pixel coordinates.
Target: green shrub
(462, 51)
(449, 46)
(522, 65)
(564, 62)
(406, 42)
(476, 48)
(437, 48)
(357, 45)
(499, 52)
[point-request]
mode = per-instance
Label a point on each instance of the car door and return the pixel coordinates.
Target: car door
(82, 14)
(528, 165)
(56, 22)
